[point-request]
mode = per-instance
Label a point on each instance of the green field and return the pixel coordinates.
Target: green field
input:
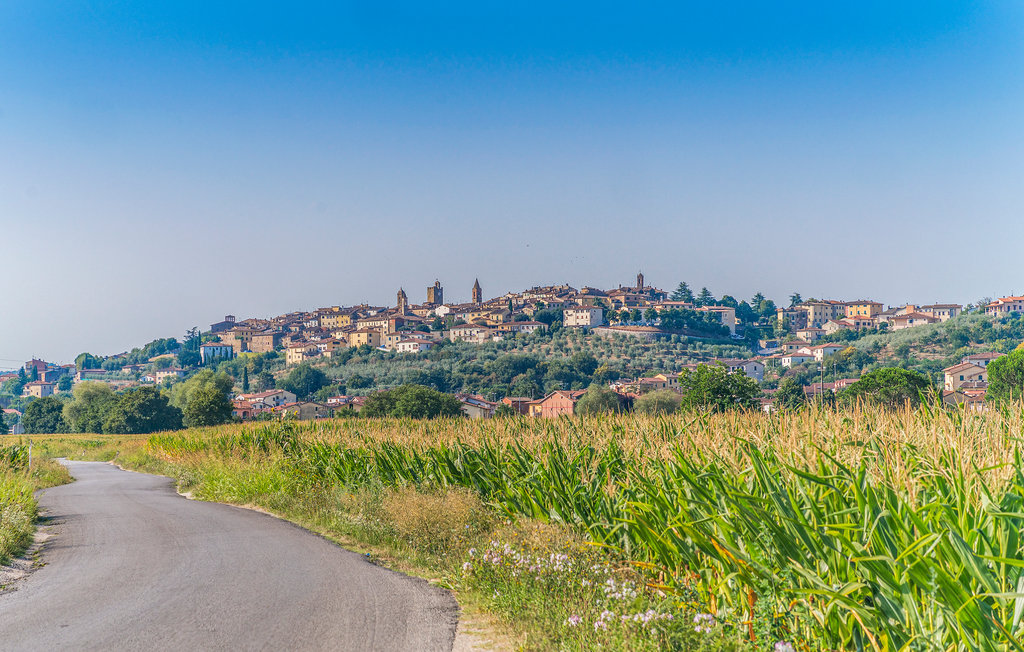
(862, 529)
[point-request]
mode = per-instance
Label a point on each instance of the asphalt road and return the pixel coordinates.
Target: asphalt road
(134, 566)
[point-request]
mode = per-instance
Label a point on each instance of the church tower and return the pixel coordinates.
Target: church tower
(640, 281)
(478, 295)
(435, 294)
(403, 302)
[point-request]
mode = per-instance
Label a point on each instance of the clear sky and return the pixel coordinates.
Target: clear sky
(165, 163)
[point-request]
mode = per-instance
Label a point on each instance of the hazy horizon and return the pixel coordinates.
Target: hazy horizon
(166, 165)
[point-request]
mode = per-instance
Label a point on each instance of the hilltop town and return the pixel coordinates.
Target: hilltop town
(632, 339)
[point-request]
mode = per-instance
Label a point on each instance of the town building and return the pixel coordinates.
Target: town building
(214, 351)
(863, 308)
(583, 317)
(1005, 306)
(556, 404)
(39, 388)
(364, 336)
(435, 294)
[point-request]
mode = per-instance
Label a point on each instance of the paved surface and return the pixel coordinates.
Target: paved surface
(134, 566)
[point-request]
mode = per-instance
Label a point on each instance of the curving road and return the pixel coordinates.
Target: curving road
(134, 566)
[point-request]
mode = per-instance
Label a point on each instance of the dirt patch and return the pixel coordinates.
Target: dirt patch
(13, 574)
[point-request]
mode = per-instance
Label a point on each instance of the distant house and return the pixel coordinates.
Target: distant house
(476, 407)
(556, 404)
(243, 410)
(965, 375)
(469, 333)
(642, 333)
(582, 316)
(364, 336)
(39, 388)
(91, 374)
(792, 346)
(942, 311)
(215, 350)
(795, 358)
(268, 399)
(811, 334)
(751, 368)
(822, 351)
(1005, 306)
(413, 346)
(13, 418)
(863, 308)
(972, 399)
(524, 327)
(519, 404)
(911, 319)
(221, 326)
(171, 372)
(265, 341)
(300, 352)
(305, 410)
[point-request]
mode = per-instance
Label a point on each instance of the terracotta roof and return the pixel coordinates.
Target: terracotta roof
(963, 366)
(990, 355)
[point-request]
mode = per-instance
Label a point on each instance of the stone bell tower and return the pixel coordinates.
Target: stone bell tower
(478, 295)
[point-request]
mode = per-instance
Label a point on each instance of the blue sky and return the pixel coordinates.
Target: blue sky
(162, 164)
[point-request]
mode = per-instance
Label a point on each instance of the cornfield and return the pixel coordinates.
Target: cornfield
(13, 457)
(863, 529)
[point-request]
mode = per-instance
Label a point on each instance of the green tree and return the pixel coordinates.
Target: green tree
(891, 387)
(705, 298)
(662, 401)
(181, 393)
(87, 361)
(304, 381)
(33, 374)
(64, 383)
(189, 355)
(207, 406)
(413, 401)
(682, 293)
(88, 408)
(264, 381)
(44, 416)
(245, 379)
(794, 299)
(583, 363)
(598, 399)
(142, 411)
(790, 395)
(712, 387)
(1006, 377)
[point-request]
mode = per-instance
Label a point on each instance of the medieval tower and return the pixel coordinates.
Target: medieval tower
(435, 294)
(478, 295)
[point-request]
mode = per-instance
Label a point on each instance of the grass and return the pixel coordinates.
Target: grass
(820, 530)
(17, 502)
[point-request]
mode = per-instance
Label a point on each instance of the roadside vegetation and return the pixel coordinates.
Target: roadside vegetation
(17, 503)
(813, 529)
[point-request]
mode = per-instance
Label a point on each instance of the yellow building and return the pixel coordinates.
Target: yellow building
(335, 320)
(368, 336)
(863, 308)
(299, 353)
